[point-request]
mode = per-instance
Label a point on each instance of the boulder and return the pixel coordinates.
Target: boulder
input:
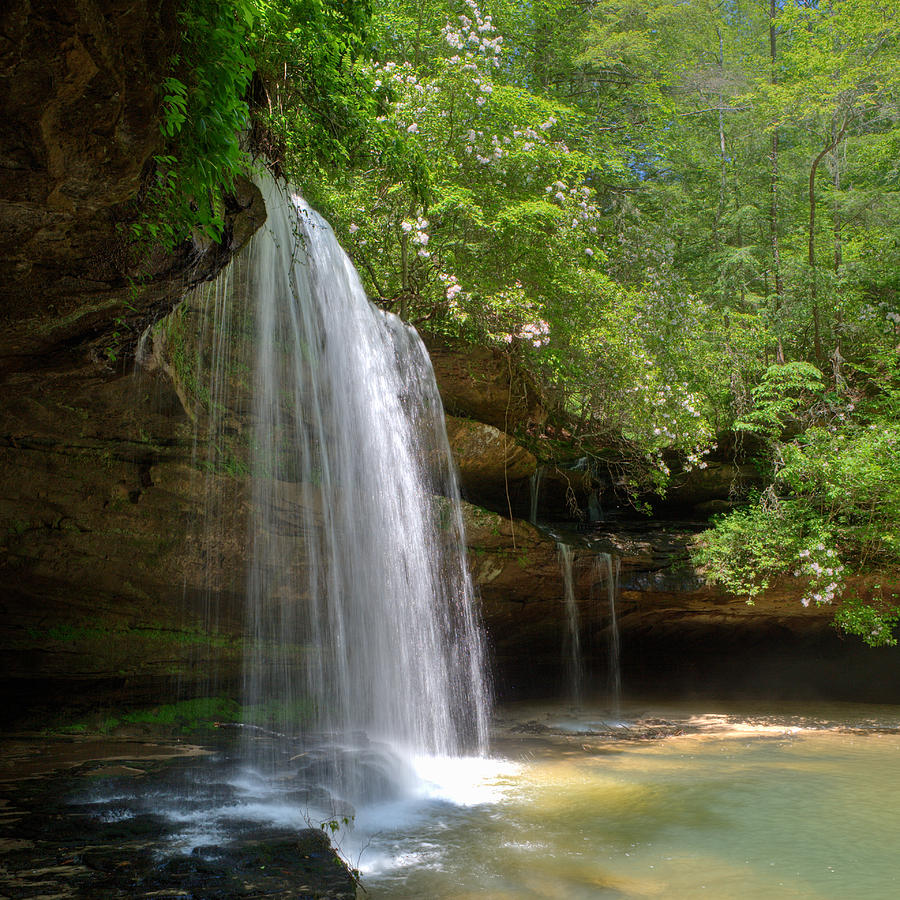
(488, 461)
(485, 385)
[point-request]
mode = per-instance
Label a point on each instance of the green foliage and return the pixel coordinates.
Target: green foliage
(746, 551)
(874, 622)
(313, 105)
(279, 714)
(833, 511)
(187, 715)
(784, 393)
(850, 478)
(318, 105)
(204, 113)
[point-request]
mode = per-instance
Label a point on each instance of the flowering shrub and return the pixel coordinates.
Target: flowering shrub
(833, 511)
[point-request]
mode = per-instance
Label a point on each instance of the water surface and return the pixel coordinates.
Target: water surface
(673, 803)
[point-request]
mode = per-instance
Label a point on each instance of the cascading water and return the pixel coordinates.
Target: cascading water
(537, 476)
(605, 577)
(572, 643)
(360, 615)
(607, 569)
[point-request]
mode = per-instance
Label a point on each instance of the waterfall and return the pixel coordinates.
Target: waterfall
(605, 575)
(607, 568)
(360, 617)
(537, 477)
(572, 642)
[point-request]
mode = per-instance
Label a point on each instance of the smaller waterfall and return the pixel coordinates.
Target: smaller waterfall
(536, 478)
(607, 569)
(572, 641)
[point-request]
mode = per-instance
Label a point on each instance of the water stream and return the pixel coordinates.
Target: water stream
(607, 567)
(572, 641)
(537, 477)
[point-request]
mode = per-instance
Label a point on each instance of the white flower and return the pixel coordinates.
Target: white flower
(413, 129)
(353, 228)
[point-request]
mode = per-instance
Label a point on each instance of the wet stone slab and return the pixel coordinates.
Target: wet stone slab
(91, 831)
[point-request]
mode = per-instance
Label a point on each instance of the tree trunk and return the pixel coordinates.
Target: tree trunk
(773, 210)
(835, 138)
(835, 214)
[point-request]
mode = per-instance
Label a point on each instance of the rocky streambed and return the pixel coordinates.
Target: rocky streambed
(98, 818)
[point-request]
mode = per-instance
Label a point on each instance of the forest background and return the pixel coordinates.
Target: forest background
(680, 217)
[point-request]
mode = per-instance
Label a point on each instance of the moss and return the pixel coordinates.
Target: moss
(112, 635)
(17, 528)
(187, 715)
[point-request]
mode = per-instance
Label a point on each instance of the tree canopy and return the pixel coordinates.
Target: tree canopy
(681, 217)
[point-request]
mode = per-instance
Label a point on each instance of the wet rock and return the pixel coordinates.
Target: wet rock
(49, 847)
(484, 385)
(490, 462)
(80, 96)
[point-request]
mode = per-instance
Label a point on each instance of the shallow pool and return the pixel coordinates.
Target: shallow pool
(666, 802)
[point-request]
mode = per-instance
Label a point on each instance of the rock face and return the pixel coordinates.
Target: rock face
(492, 466)
(483, 385)
(678, 633)
(79, 89)
(105, 580)
(711, 488)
